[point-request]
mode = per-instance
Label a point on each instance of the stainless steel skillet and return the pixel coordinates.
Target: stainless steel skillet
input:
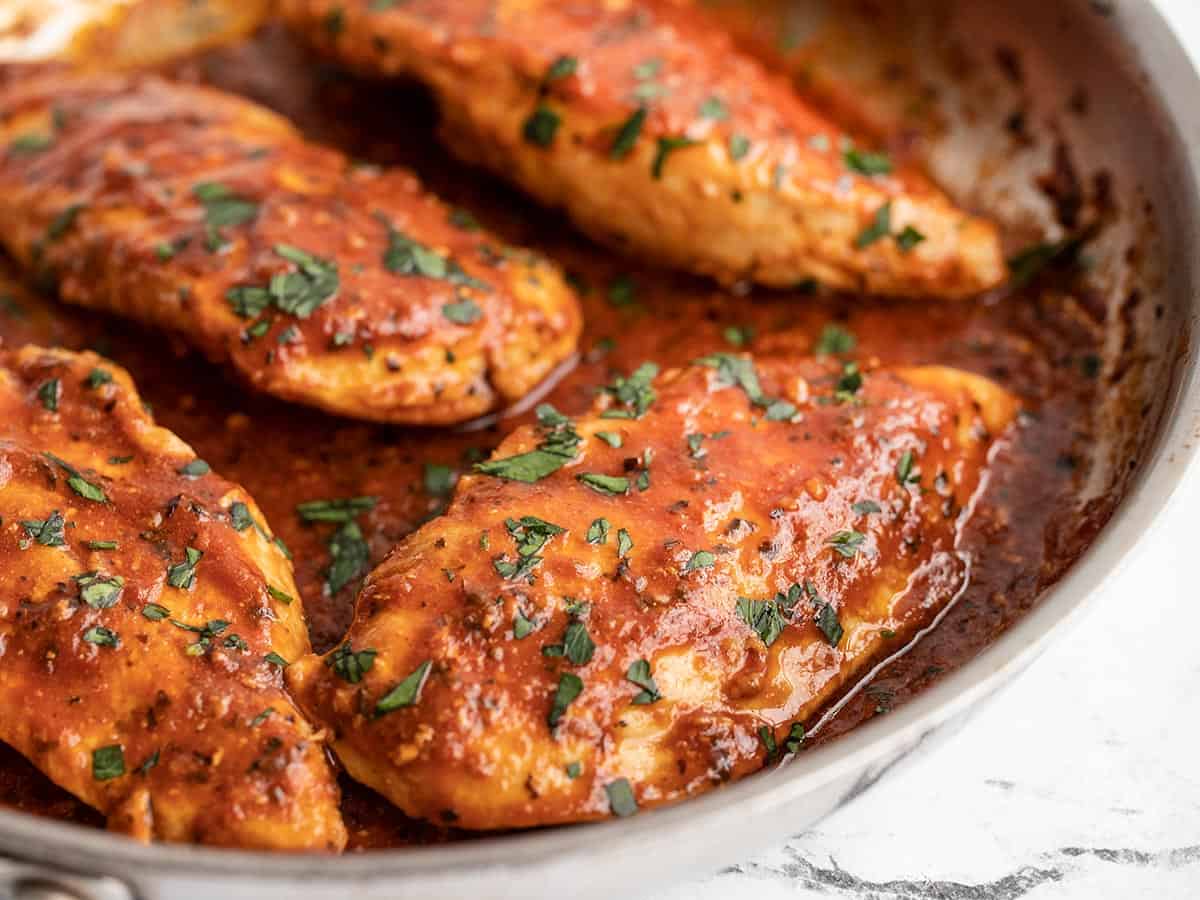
(1144, 129)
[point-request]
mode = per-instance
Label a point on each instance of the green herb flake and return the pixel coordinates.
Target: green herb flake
(338, 510)
(182, 575)
(541, 127)
(865, 163)
(62, 223)
(406, 693)
(97, 378)
(101, 545)
(239, 516)
(764, 618)
(639, 673)
(612, 485)
(280, 596)
(714, 108)
(195, 469)
(624, 543)
(562, 67)
(49, 393)
(155, 612)
(906, 469)
(222, 207)
(559, 446)
(663, 150)
(464, 312)
(101, 637)
(634, 393)
(574, 770)
(522, 627)
(828, 623)
(612, 438)
(739, 147)
(620, 798)
(569, 687)
(349, 557)
(350, 665)
(880, 227)
(276, 660)
(47, 532)
(835, 341)
(302, 291)
(99, 591)
(597, 532)
(701, 559)
(108, 762)
(29, 144)
(847, 543)
(627, 134)
(907, 239)
(577, 644)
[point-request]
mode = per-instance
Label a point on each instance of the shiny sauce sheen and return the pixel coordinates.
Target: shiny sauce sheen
(1041, 344)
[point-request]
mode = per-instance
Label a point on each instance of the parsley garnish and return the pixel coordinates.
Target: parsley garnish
(182, 575)
(522, 627)
(634, 393)
(28, 144)
(437, 479)
(880, 227)
(464, 312)
(713, 108)
(531, 533)
(620, 798)
(300, 292)
(48, 393)
(99, 591)
(627, 135)
(908, 238)
(834, 341)
(905, 473)
(101, 545)
(350, 665)
(597, 532)
(763, 616)
(562, 67)
(339, 510)
(701, 559)
(827, 621)
(349, 555)
(77, 483)
(847, 543)
(406, 693)
(195, 469)
(405, 256)
(49, 532)
(276, 660)
(569, 687)
(98, 377)
(559, 446)
(612, 438)
(624, 543)
(101, 637)
(239, 516)
(541, 126)
(666, 146)
(155, 612)
(639, 673)
(108, 762)
(612, 485)
(739, 146)
(866, 507)
(865, 163)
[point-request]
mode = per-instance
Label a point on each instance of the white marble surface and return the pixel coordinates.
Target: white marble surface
(1081, 782)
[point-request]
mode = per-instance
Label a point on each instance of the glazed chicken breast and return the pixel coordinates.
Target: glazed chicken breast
(319, 281)
(654, 132)
(146, 617)
(633, 607)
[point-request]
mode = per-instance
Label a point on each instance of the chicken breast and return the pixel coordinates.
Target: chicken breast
(654, 132)
(339, 286)
(146, 617)
(631, 608)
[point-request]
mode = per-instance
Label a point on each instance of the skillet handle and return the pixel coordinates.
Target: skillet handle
(28, 881)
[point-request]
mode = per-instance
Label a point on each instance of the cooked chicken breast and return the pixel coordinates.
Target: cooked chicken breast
(644, 122)
(634, 607)
(146, 616)
(340, 286)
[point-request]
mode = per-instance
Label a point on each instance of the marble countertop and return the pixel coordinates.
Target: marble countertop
(1080, 782)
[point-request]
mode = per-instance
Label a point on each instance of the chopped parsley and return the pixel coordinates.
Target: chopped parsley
(828, 623)
(531, 533)
(714, 108)
(597, 532)
(108, 762)
(299, 292)
(276, 660)
(612, 438)
(624, 543)
(1028, 264)
(101, 545)
(764, 617)
(406, 693)
(835, 341)
(280, 596)
(350, 665)
(522, 627)
(222, 206)
(97, 378)
(155, 612)
(665, 147)
(101, 637)
(739, 147)
(866, 507)
(349, 556)
(31, 143)
(613, 485)
(182, 575)
(569, 687)
(541, 127)
(62, 223)
(339, 510)
(562, 67)
(437, 479)
(635, 393)
(701, 559)
(99, 591)
(639, 673)
(880, 227)
(627, 134)
(406, 256)
(847, 543)
(195, 469)
(48, 532)
(865, 163)
(77, 482)
(49, 393)
(906, 472)
(907, 239)
(239, 516)
(464, 312)
(559, 446)
(620, 798)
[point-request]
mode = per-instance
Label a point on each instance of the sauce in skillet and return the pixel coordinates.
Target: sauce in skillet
(1041, 345)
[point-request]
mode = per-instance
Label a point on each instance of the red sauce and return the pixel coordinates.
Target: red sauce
(1027, 531)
